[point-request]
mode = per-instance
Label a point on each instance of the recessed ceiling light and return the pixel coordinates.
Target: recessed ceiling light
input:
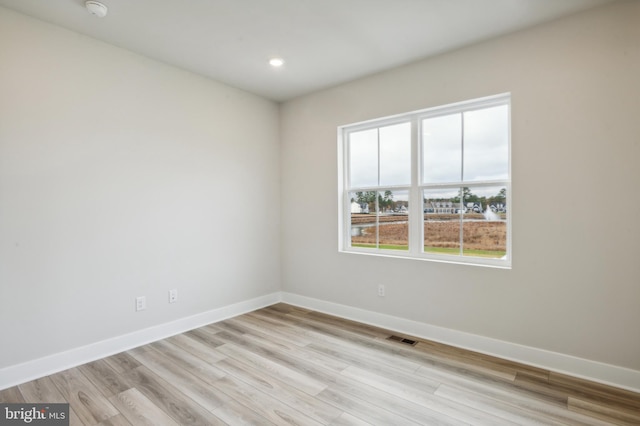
(276, 62)
(96, 8)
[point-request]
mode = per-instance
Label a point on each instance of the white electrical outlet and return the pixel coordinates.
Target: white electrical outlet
(141, 303)
(381, 290)
(173, 295)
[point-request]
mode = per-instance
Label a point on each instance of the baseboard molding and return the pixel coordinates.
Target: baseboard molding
(566, 364)
(30, 370)
(591, 370)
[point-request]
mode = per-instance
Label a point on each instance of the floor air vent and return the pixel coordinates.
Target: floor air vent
(402, 340)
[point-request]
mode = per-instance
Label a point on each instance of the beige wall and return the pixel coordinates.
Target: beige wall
(121, 177)
(574, 285)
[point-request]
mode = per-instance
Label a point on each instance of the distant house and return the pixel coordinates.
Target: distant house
(359, 208)
(440, 207)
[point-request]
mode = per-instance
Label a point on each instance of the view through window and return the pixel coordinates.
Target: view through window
(432, 184)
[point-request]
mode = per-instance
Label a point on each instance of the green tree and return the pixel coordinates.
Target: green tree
(368, 198)
(499, 198)
(386, 201)
(467, 196)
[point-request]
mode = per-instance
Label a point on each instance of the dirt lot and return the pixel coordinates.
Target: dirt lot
(480, 235)
(357, 219)
(441, 231)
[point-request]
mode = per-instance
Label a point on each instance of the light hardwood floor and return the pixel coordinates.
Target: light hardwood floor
(286, 365)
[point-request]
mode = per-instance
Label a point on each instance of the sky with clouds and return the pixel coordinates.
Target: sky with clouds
(471, 146)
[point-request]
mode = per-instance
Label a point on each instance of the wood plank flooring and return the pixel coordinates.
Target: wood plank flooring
(284, 365)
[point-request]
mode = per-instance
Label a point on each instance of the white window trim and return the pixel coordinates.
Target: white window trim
(416, 227)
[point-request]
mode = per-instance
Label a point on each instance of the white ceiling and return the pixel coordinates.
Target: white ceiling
(324, 42)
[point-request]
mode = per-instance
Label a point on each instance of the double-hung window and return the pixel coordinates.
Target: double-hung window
(432, 184)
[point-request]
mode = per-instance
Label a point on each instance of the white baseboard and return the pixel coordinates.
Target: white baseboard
(30, 370)
(591, 370)
(566, 364)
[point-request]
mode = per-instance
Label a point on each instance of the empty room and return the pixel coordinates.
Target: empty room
(319, 212)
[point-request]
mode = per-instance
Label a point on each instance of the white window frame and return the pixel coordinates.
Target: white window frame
(416, 216)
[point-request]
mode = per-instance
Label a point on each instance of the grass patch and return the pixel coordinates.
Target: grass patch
(439, 250)
(484, 253)
(383, 246)
(466, 252)
(442, 250)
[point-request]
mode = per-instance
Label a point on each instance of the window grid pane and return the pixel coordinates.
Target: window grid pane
(393, 229)
(364, 223)
(442, 149)
(363, 158)
(395, 155)
(484, 226)
(486, 144)
(441, 210)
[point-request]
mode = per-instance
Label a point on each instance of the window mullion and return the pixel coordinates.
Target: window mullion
(415, 196)
(377, 192)
(462, 200)
(343, 185)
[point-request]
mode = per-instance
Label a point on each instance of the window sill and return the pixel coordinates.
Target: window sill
(467, 260)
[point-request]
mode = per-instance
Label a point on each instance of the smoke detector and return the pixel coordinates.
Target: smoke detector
(96, 8)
